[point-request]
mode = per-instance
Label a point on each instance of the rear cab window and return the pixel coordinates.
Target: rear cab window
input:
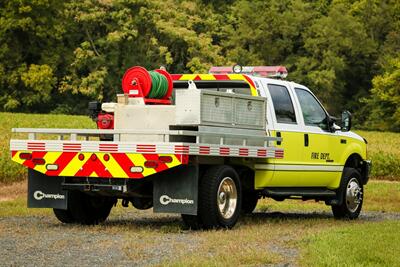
(283, 105)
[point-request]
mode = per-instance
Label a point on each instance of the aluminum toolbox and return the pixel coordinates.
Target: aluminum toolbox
(213, 108)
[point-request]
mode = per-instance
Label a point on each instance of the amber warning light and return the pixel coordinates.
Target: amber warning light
(260, 71)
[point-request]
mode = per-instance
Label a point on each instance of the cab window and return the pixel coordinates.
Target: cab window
(313, 113)
(283, 105)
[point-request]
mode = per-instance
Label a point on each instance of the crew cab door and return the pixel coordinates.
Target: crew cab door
(283, 121)
(322, 149)
(321, 146)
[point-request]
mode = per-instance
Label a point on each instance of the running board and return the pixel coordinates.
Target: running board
(283, 192)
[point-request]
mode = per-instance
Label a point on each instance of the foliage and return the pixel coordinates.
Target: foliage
(384, 153)
(57, 55)
(385, 98)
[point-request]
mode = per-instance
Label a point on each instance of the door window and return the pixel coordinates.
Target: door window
(283, 105)
(313, 113)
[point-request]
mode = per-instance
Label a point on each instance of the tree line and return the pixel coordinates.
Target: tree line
(55, 56)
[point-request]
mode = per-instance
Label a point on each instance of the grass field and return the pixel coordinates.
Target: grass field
(10, 171)
(383, 147)
(384, 151)
(370, 244)
(295, 232)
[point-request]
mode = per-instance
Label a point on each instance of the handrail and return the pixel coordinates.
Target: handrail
(74, 133)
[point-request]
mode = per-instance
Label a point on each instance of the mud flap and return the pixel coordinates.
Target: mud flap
(45, 191)
(176, 190)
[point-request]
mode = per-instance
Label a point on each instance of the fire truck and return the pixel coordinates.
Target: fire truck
(206, 146)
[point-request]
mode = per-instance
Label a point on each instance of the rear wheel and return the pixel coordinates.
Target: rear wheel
(64, 216)
(351, 193)
(220, 197)
(249, 203)
(89, 210)
(192, 221)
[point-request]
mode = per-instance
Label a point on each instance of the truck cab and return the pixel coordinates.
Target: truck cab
(322, 160)
(316, 149)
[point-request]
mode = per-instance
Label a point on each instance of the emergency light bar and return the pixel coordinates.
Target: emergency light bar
(261, 71)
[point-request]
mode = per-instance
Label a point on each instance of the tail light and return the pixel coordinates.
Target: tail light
(38, 161)
(151, 164)
(25, 156)
(165, 159)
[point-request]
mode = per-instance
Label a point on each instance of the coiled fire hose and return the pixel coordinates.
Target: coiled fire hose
(159, 85)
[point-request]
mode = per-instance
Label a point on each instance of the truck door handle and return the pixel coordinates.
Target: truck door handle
(278, 134)
(305, 139)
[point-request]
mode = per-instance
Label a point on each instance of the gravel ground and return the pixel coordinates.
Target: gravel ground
(43, 241)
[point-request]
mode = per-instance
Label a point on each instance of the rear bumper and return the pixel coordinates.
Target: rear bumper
(97, 164)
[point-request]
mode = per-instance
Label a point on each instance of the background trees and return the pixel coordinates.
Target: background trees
(57, 55)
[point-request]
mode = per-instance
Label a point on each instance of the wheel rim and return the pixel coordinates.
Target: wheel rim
(227, 198)
(354, 195)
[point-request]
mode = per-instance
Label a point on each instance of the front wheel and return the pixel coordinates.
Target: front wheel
(350, 193)
(220, 197)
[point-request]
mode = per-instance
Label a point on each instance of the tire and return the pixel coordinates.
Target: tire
(193, 222)
(142, 203)
(64, 216)
(350, 195)
(220, 197)
(89, 210)
(249, 202)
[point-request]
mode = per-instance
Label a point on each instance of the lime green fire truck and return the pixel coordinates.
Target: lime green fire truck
(206, 146)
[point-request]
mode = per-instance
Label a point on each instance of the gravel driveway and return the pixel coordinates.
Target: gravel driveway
(43, 241)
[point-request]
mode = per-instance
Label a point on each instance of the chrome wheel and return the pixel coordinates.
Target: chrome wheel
(354, 195)
(227, 198)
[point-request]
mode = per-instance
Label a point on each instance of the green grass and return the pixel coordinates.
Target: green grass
(311, 239)
(18, 207)
(384, 151)
(372, 244)
(11, 171)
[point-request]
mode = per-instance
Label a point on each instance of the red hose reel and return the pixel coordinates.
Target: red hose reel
(138, 82)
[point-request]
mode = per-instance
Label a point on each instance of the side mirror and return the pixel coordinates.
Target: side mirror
(346, 121)
(332, 123)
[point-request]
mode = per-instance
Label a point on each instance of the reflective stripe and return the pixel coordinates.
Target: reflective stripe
(94, 164)
(157, 148)
(281, 167)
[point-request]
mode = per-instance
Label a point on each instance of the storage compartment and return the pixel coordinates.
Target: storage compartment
(205, 107)
(144, 118)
